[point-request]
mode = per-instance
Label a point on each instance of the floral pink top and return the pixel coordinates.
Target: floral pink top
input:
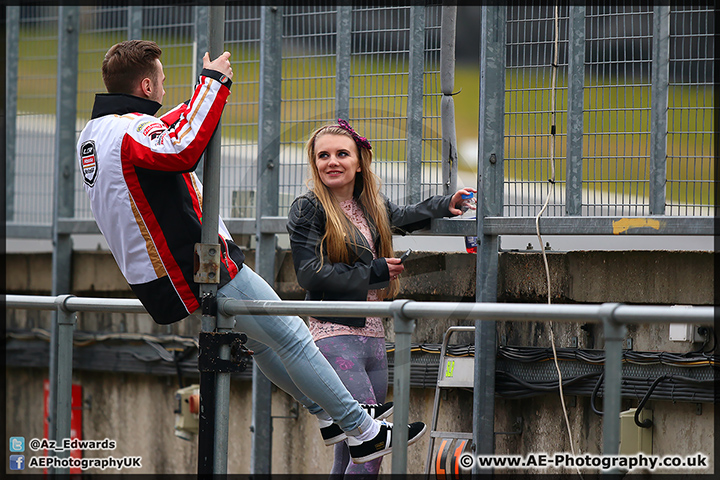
(373, 325)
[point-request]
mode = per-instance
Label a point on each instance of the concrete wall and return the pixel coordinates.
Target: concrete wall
(136, 410)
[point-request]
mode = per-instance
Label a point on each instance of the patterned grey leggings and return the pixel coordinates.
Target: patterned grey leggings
(361, 364)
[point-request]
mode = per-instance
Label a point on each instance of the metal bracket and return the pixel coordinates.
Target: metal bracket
(65, 315)
(209, 357)
(406, 324)
(207, 263)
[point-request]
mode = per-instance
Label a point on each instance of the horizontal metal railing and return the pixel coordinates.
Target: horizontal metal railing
(588, 225)
(613, 316)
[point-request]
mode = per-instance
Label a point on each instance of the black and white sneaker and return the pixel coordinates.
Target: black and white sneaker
(362, 452)
(332, 433)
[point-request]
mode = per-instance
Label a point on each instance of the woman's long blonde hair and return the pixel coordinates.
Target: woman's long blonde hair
(338, 227)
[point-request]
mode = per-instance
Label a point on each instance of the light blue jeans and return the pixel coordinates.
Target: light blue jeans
(286, 354)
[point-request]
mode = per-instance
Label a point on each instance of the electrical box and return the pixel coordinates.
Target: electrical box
(685, 332)
(187, 412)
(680, 332)
(634, 439)
(458, 372)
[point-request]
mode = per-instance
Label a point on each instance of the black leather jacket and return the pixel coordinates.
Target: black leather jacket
(349, 281)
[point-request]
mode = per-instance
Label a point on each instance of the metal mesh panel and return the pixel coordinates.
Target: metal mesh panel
(308, 90)
(432, 180)
(528, 110)
(36, 104)
(691, 112)
(617, 111)
(240, 121)
(379, 93)
(617, 100)
(617, 106)
(378, 89)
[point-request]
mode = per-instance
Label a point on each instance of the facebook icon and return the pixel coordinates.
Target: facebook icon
(17, 462)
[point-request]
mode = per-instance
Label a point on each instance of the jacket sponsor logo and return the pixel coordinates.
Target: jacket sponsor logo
(141, 125)
(152, 128)
(88, 162)
(158, 136)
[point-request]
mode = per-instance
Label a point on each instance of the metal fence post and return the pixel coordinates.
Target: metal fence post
(575, 126)
(416, 71)
(659, 107)
(343, 61)
(201, 40)
(214, 399)
(225, 324)
(66, 113)
(267, 205)
(490, 203)
(12, 58)
(135, 22)
(200, 46)
(614, 336)
(447, 105)
(404, 327)
(66, 325)
(64, 205)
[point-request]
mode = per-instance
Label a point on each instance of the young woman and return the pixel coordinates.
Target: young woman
(341, 240)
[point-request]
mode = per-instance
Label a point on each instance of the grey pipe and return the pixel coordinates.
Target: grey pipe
(517, 312)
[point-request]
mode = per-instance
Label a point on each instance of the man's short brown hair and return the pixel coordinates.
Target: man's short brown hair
(126, 63)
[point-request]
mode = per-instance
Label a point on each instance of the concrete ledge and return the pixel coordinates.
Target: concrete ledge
(649, 277)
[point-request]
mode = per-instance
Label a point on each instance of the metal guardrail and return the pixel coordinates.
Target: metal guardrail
(613, 316)
(589, 225)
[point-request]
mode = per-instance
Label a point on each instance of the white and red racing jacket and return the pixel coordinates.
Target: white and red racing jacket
(147, 202)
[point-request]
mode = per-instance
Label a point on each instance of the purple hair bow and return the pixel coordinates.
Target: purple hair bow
(361, 141)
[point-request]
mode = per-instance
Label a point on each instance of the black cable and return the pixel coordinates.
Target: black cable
(707, 339)
(539, 354)
(647, 423)
(682, 388)
(594, 394)
(176, 361)
(714, 342)
(546, 386)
